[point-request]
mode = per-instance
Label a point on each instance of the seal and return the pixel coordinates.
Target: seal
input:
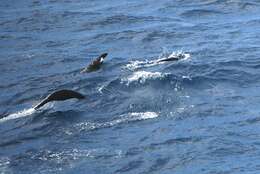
(172, 58)
(60, 95)
(96, 64)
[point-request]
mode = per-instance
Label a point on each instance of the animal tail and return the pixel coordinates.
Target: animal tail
(77, 95)
(41, 104)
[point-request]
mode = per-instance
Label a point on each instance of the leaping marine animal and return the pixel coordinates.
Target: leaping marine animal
(60, 95)
(96, 64)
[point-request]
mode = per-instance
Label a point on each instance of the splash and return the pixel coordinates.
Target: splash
(20, 114)
(143, 76)
(143, 115)
(133, 65)
(4, 164)
(178, 54)
(24, 113)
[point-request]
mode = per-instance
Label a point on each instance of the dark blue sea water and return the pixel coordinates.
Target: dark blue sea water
(200, 115)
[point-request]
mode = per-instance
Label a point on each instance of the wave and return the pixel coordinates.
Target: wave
(43, 160)
(4, 164)
(125, 118)
(131, 117)
(123, 20)
(142, 77)
(200, 13)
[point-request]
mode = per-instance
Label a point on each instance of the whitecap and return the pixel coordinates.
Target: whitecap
(143, 115)
(130, 117)
(133, 65)
(142, 76)
(4, 164)
(135, 116)
(101, 88)
(183, 55)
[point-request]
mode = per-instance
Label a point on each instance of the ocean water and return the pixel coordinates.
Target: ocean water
(199, 115)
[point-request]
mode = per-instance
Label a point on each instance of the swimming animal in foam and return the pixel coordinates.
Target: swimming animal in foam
(96, 64)
(172, 58)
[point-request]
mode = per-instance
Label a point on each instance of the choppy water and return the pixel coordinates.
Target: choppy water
(198, 115)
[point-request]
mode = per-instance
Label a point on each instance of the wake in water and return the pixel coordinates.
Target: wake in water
(133, 65)
(139, 76)
(20, 114)
(24, 113)
(135, 116)
(142, 77)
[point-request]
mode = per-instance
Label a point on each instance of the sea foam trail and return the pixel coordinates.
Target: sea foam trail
(56, 106)
(20, 114)
(184, 56)
(131, 117)
(133, 65)
(23, 113)
(4, 164)
(143, 76)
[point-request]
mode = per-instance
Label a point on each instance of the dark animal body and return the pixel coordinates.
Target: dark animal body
(60, 96)
(173, 58)
(96, 64)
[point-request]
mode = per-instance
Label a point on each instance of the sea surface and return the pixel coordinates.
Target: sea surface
(199, 115)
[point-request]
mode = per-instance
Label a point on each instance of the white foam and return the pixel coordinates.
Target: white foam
(24, 113)
(143, 115)
(133, 65)
(142, 76)
(101, 88)
(4, 164)
(187, 77)
(130, 117)
(20, 114)
(135, 116)
(184, 56)
(75, 154)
